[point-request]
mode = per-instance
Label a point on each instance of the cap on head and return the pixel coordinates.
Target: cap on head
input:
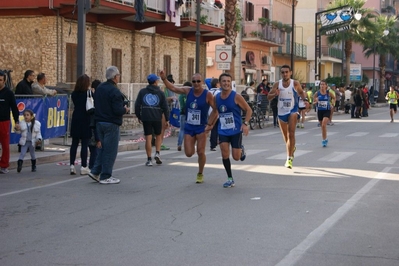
(170, 78)
(332, 85)
(152, 78)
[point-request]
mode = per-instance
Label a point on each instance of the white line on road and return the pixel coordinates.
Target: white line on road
(337, 156)
(61, 182)
(358, 134)
(385, 158)
(300, 250)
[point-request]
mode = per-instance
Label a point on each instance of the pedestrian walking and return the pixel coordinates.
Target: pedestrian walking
(324, 99)
(197, 106)
(288, 91)
(30, 131)
(7, 104)
(109, 110)
(229, 105)
(150, 108)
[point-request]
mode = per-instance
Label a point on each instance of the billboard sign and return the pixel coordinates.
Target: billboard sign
(336, 20)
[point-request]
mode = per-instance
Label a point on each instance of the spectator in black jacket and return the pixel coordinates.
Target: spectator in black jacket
(25, 85)
(109, 110)
(7, 103)
(149, 107)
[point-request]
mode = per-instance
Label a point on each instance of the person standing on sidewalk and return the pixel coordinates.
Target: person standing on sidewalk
(197, 106)
(30, 131)
(24, 87)
(324, 99)
(288, 91)
(213, 139)
(80, 125)
(109, 110)
(182, 103)
(150, 108)
(230, 128)
(7, 103)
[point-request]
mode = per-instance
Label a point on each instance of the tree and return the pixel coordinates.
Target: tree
(381, 39)
(351, 35)
(232, 17)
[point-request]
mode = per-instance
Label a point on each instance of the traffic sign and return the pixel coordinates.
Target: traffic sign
(223, 53)
(223, 66)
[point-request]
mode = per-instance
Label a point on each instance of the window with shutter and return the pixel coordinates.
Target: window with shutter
(71, 62)
(117, 60)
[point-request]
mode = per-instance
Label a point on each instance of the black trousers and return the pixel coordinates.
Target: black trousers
(214, 135)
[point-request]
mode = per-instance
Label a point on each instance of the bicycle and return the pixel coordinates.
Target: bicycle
(258, 117)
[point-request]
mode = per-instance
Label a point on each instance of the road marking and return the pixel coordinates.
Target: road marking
(385, 158)
(265, 134)
(62, 182)
(143, 156)
(358, 134)
(248, 152)
(300, 250)
(336, 156)
(389, 135)
(283, 156)
(328, 134)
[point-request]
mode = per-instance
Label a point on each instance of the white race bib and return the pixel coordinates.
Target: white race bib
(194, 117)
(226, 121)
(392, 100)
(323, 104)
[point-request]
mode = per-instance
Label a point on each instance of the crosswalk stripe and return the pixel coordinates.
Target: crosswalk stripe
(248, 152)
(328, 134)
(264, 134)
(389, 135)
(142, 155)
(337, 156)
(358, 134)
(385, 158)
(283, 156)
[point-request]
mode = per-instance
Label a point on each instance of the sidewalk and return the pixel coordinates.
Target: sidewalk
(56, 151)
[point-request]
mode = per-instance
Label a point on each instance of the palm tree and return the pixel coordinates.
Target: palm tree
(230, 29)
(381, 39)
(351, 35)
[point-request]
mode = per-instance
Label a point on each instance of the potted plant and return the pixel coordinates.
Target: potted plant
(264, 21)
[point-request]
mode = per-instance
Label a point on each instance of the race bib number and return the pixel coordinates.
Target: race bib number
(323, 104)
(194, 117)
(226, 121)
(392, 100)
(285, 103)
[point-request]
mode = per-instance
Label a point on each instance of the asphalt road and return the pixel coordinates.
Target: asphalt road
(337, 206)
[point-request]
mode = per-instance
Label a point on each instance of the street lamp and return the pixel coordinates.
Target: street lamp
(294, 3)
(197, 38)
(384, 33)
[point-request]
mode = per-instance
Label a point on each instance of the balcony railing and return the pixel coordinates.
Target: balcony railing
(210, 15)
(332, 52)
(265, 33)
(300, 50)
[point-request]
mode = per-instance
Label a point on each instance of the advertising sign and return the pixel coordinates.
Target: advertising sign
(336, 20)
(356, 72)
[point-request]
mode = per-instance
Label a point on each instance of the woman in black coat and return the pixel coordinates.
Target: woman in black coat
(358, 102)
(80, 125)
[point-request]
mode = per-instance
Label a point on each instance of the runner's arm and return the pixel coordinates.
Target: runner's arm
(273, 92)
(172, 87)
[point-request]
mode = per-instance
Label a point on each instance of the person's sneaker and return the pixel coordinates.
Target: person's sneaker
(288, 163)
(302, 126)
(84, 170)
(4, 171)
(243, 154)
(94, 177)
(324, 143)
(163, 147)
(72, 169)
(179, 148)
(297, 126)
(148, 163)
(157, 158)
(229, 183)
(213, 149)
(200, 178)
(318, 124)
(111, 180)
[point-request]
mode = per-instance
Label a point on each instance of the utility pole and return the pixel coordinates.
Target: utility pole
(84, 7)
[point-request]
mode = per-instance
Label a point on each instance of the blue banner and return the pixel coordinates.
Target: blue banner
(51, 112)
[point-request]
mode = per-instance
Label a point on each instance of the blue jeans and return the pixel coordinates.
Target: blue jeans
(181, 132)
(108, 133)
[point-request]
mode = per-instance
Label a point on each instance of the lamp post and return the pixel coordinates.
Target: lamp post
(198, 38)
(294, 3)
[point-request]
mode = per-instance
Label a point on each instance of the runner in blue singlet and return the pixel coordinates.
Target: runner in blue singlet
(229, 105)
(197, 106)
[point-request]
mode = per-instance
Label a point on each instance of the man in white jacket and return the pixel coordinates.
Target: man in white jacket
(39, 88)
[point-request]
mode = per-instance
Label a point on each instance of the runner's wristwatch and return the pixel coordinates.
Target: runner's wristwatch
(246, 123)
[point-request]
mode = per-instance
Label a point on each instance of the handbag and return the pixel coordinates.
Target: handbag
(89, 102)
(174, 116)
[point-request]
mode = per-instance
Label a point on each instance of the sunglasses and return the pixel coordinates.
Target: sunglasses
(196, 81)
(284, 72)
